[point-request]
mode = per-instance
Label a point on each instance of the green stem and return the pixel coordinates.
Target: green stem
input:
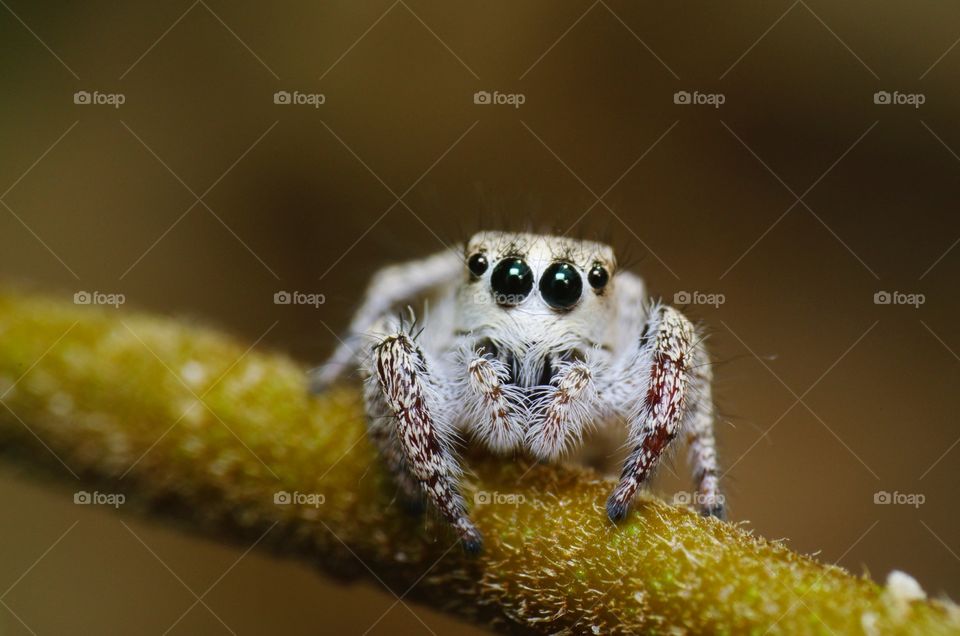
(213, 432)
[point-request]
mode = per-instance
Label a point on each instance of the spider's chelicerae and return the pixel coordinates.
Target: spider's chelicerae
(528, 341)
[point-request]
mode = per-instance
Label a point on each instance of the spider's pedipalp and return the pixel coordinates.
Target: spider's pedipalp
(565, 409)
(492, 408)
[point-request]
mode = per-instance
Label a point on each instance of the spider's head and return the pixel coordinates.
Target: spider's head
(537, 287)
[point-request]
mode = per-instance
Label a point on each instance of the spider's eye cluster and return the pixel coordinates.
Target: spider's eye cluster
(561, 285)
(512, 281)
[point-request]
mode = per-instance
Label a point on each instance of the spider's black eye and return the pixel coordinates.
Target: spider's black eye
(561, 285)
(478, 264)
(598, 277)
(512, 280)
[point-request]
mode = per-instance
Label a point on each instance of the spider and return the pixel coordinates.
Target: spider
(528, 342)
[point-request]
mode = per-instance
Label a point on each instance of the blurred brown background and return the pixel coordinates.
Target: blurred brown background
(828, 398)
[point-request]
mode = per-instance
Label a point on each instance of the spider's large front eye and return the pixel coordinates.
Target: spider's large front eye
(512, 281)
(561, 286)
(478, 264)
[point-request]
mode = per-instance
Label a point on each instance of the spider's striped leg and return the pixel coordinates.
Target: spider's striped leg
(698, 424)
(382, 432)
(423, 429)
(665, 363)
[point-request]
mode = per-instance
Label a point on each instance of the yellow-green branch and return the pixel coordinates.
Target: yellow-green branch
(191, 426)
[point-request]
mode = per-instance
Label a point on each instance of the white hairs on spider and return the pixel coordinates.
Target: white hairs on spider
(530, 342)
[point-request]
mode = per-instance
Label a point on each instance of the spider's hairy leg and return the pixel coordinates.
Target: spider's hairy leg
(492, 405)
(567, 406)
(662, 366)
(382, 432)
(423, 429)
(698, 424)
(389, 286)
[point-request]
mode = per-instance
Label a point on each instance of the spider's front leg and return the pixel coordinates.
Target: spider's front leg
(423, 431)
(382, 433)
(672, 378)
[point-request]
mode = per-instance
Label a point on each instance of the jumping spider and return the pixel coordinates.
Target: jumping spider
(528, 342)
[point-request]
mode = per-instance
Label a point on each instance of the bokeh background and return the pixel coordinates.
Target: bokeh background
(794, 202)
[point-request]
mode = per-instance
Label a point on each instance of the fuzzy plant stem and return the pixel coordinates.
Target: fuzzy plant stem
(193, 426)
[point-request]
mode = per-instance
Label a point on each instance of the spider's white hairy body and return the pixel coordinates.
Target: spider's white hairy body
(527, 342)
